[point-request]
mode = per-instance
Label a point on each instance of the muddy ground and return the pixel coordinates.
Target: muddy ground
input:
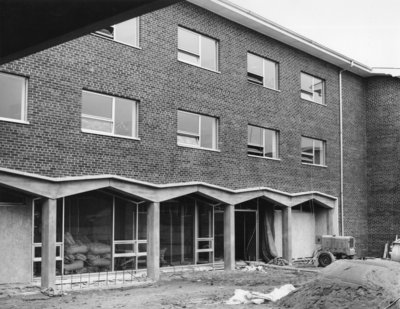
(209, 289)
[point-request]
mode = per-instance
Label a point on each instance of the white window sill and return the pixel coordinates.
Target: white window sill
(200, 148)
(110, 39)
(14, 120)
(323, 104)
(273, 89)
(317, 165)
(108, 134)
(267, 158)
(199, 66)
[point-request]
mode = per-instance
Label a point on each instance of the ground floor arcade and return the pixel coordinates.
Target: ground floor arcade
(87, 225)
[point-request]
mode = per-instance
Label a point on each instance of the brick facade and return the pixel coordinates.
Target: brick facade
(52, 144)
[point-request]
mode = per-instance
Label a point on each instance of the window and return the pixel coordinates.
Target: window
(312, 151)
(262, 71)
(197, 130)
(312, 88)
(126, 32)
(263, 142)
(197, 49)
(108, 115)
(12, 97)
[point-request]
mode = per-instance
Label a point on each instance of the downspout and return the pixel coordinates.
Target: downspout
(341, 149)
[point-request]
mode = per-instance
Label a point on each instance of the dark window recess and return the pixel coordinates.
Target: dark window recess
(254, 78)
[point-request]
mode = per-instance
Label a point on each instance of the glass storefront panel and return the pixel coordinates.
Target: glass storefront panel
(176, 233)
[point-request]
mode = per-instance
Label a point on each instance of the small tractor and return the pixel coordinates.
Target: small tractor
(331, 247)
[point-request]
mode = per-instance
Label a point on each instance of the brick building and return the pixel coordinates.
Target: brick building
(197, 134)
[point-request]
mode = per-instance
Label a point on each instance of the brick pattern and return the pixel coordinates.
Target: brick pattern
(383, 134)
(53, 144)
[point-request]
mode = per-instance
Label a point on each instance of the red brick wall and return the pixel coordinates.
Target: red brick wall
(53, 144)
(383, 131)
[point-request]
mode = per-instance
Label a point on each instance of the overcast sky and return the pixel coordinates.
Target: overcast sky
(366, 30)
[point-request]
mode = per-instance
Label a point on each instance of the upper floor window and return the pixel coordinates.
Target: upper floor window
(196, 130)
(126, 32)
(262, 71)
(312, 88)
(12, 97)
(312, 151)
(109, 115)
(263, 142)
(197, 49)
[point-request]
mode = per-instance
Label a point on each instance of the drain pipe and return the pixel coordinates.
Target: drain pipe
(341, 151)
(341, 148)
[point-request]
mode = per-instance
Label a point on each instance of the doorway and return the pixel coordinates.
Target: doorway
(246, 235)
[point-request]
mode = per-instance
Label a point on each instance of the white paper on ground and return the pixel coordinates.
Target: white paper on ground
(246, 297)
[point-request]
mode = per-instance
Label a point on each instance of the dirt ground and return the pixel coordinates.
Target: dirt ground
(211, 289)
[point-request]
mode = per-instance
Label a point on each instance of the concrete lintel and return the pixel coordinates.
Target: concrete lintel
(49, 231)
(29, 185)
(320, 199)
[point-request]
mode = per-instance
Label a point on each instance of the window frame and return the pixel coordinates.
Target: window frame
(323, 152)
(112, 36)
(135, 117)
(276, 76)
(23, 97)
(313, 91)
(199, 54)
(198, 136)
(277, 143)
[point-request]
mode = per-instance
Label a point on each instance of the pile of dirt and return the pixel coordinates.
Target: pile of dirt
(327, 293)
(350, 284)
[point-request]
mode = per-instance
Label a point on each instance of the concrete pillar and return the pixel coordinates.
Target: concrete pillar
(287, 234)
(49, 230)
(229, 237)
(153, 241)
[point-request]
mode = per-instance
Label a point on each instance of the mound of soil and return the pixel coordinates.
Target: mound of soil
(350, 284)
(333, 294)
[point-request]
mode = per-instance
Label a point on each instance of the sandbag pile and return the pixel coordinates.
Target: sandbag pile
(82, 255)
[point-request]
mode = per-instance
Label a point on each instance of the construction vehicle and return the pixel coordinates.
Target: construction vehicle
(331, 247)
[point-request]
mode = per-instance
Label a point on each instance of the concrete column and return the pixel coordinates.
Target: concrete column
(229, 237)
(153, 241)
(49, 230)
(287, 234)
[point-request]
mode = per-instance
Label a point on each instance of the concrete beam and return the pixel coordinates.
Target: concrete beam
(287, 234)
(49, 230)
(153, 241)
(229, 237)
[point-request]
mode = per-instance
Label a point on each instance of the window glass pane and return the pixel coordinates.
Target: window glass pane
(205, 220)
(142, 222)
(318, 90)
(12, 96)
(208, 53)
(188, 140)
(108, 31)
(188, 123)
(307, 153)
(96, 105)
(255, 136)
(306, 87)
(270, 144)
(270, 74)
(188, 41)
(124, 117)
(318, 152)
(207, 135)
(127, 32)
(125, 221)
(183, 56)
(96, 125)
(255, 68)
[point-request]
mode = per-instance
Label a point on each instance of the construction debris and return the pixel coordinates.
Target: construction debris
(247, 297)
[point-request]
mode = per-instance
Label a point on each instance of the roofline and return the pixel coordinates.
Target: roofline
(271, 29)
